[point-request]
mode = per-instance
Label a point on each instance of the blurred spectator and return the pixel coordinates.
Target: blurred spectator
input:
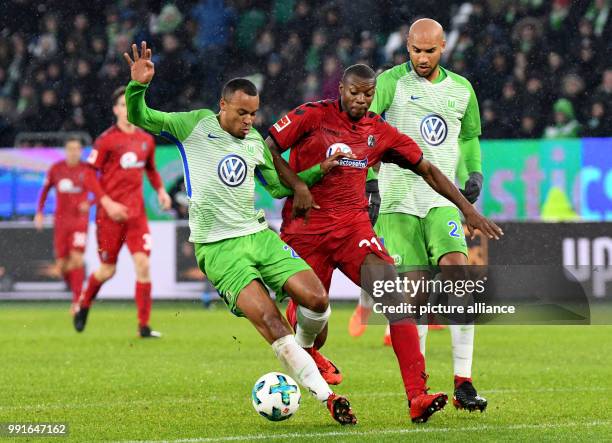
(521, 56)
(529, 127)
(598, 125)
(565, 124)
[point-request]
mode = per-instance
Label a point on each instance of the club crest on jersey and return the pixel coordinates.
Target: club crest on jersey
(143, 146)
(434, 129)
(371, 141)
(129, 160)
(282, 123)
(232, 170)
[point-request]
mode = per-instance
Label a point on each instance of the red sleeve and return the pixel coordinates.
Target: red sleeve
(152, 173)
(48, 184)
(399, 148)
(296, 125)
(98, 154)
(92, 184)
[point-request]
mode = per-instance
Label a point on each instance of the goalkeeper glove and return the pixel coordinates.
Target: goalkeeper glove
(473, 186)
(373, 197)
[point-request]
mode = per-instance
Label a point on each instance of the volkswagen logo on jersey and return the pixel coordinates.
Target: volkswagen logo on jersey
(232, 170)
(129, 160)
(434, 129)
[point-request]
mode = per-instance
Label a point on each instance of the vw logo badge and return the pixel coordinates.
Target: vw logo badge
(434, 129)
(232, 170)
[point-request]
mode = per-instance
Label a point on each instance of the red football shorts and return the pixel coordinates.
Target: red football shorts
(344, 247)
(111, 236)
(69, 238)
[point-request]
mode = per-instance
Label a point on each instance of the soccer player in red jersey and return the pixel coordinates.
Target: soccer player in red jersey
(339, 234)
(120, 154)
(73, 180)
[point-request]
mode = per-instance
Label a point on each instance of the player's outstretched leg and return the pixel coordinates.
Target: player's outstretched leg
(308, 312)
(94, 283)
(405, 342)
(255, 303)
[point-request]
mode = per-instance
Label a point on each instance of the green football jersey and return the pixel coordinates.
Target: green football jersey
(220, 169)
(436, 115)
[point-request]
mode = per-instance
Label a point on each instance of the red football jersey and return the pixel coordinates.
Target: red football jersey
(121, 157)
(314, 131)
(72, 184)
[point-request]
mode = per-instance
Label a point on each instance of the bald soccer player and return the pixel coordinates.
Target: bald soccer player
(419, 227)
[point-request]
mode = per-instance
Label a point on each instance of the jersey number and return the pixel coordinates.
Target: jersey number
(147, 241)
(368, 243)
(454, 228)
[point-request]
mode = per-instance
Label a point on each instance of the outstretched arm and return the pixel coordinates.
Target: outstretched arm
(175, 126)
(443, 186)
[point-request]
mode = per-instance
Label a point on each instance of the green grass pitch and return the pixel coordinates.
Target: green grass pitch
(542, 382)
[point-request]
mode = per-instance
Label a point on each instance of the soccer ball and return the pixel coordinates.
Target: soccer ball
(276, 396)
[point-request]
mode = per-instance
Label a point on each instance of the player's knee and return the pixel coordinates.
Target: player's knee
(317, 300)
(105, 272)
(76, 260)
(141, 266)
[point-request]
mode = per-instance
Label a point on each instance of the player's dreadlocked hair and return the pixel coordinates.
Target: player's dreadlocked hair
(238, 84)
(359, 71)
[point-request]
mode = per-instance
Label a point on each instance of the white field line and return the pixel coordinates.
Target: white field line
(350, 434)
(110, 404)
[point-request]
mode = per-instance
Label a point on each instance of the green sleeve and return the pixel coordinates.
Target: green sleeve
(268, 177)
(470, 123)
(372, 175)
(176, 124)
(470, 154)
(385, 88)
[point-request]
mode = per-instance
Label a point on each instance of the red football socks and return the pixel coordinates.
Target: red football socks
(459, 380)
(143, 302)
(405, 341)
(93, 287)
(76, 277)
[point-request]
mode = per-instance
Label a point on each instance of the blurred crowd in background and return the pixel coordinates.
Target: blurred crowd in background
(540, 68)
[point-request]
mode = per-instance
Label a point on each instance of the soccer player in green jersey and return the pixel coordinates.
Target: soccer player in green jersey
(439, 110)
(222, 153)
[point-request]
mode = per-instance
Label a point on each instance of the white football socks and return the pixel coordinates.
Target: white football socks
(462, 337)
(309, 324)
(301, 366)
(422, 337)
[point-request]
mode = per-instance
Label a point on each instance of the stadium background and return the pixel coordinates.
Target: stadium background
(541, 71)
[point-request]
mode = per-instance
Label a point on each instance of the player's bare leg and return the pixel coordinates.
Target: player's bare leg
(462, 336)
(311, 316)
(258, 307)
(94, 283)
(405, 342)
(142, 294)
(75, 270)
